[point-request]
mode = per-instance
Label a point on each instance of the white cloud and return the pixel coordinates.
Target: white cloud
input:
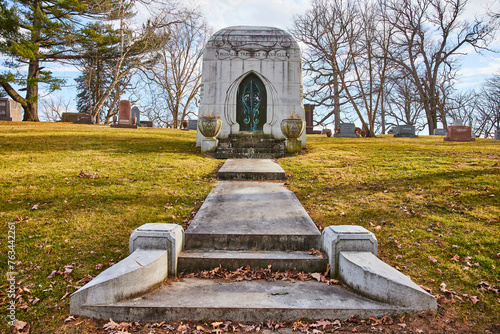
(274, 13)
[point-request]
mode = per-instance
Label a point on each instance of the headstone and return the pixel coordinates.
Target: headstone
(405, 131)
(82, 118)
(136, 113)
(346, 130)
(497, 134)
(309, 112)
(193, 124)
(10, 110)
(124, 116)
(252, 79)
(124, 112)
(440, 132)
(459, 133)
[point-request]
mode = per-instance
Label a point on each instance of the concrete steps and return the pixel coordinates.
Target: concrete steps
(257, 224)
(251, 223)
(251, 145)
(199, 260)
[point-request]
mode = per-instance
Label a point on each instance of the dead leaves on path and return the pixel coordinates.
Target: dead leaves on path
(247, 274)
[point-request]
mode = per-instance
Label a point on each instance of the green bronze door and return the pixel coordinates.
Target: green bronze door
(251, 104)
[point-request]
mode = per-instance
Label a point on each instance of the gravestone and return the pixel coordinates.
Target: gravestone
(347, 130)
(82, 118)
(497, 134)
(251, 79)
(309, 112)
(440, 132)
(459, 133)
(405, 131)
(124, 116)
(136, 113)
(193, 124)
(10, 110)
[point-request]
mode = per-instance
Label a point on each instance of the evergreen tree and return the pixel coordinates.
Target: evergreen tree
(33, 32)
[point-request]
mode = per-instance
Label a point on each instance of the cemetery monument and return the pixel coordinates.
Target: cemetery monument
(252, 80)
(459, 132)
(10, 110)
(405, 131)
(124, 116)
(346, 130)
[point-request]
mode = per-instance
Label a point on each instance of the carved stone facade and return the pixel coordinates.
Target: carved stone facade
(252, 79)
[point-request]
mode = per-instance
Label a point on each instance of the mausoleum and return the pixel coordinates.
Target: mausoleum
(252, 79)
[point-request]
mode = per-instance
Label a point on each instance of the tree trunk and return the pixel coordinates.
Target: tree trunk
(336, 100)
(31, 109)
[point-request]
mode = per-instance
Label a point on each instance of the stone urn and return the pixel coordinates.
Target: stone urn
(293, 128)
(210, 126)
(184, 125)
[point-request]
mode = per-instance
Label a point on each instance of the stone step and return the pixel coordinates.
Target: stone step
(248, 155)
(247, 215)
(257, 145)
(257, 300)
(251, 241)
(254, 169)
(199, 260)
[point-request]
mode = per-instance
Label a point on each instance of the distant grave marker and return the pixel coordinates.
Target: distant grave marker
(10, 110)
(136, 113)
(459, 132)
(405, 131)
(497, 134)
(193, 124)
(440, 132)
(124, 116)
(347, 130)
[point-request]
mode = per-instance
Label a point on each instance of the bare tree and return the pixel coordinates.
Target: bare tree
(429, 36)
(322, 30)
(53, 107)
(176, 70)
(345, 59)
(487, 108)
(403, 103)
(137, 40)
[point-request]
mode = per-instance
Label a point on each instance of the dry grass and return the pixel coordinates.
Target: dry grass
(76, 192)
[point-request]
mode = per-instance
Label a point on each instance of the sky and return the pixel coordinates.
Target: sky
(475, 68)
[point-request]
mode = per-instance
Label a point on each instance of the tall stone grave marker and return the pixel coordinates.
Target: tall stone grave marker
(10, 110)
(124, 118)
(347, 130)
(497, 134)
(252, 79)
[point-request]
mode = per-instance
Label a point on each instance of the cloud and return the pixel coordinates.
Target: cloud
(274, 13)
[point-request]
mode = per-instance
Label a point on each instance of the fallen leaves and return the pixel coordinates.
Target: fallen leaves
(91, 175)
(247, 274)
(432, 259)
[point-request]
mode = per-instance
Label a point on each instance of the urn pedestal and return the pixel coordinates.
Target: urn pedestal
(292, 129)
(209, 127)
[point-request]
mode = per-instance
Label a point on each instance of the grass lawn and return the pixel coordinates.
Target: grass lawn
(76, 192)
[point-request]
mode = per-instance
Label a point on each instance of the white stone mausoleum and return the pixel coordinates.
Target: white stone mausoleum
(252, 79)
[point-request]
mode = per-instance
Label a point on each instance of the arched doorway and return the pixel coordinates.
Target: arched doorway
(251, 106)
